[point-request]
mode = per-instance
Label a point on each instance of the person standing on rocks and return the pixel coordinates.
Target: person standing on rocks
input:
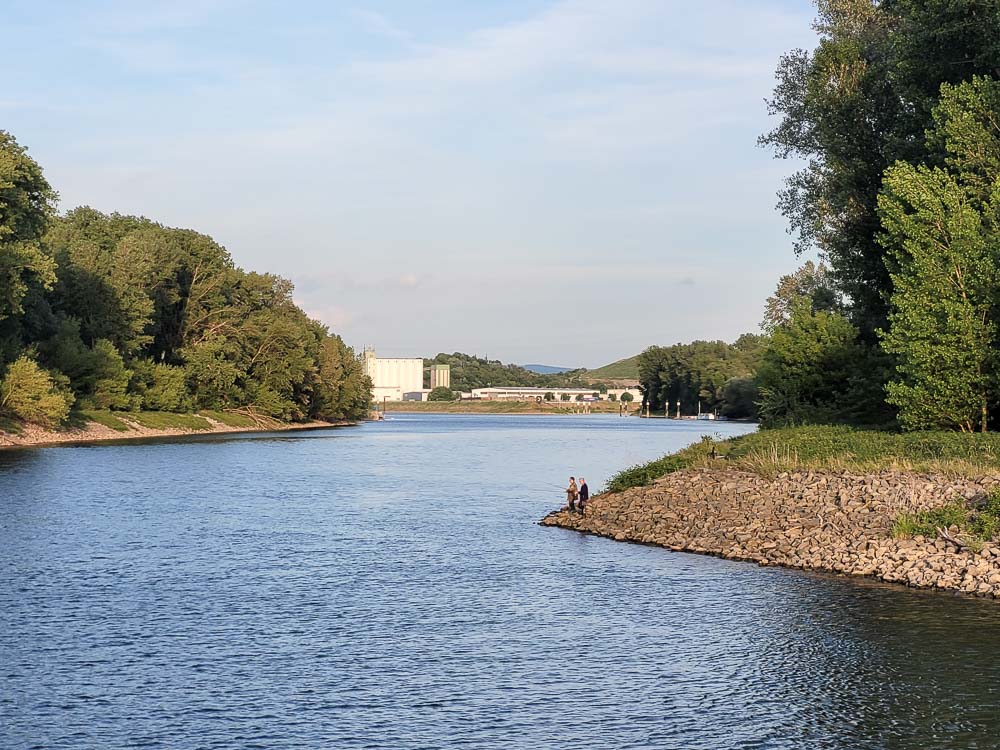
(571, 494)
(584, 495)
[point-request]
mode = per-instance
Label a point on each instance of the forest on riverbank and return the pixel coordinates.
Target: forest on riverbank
(895, 113)
(111, 312)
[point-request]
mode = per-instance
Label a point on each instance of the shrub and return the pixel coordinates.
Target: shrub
(978, 524)
(111, 378)
(31, 394)
(161, 387)
(441, 394)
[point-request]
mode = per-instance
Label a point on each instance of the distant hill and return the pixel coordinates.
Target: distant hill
(468, 372)
(547, 369)
(623, 369)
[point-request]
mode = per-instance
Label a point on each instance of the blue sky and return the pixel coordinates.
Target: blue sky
(562, 182)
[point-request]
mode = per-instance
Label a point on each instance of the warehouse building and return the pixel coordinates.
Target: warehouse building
(393, 377)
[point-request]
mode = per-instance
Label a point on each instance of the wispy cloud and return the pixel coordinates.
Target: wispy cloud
(436, 177)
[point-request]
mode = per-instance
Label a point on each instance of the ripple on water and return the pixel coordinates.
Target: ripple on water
(386, 587)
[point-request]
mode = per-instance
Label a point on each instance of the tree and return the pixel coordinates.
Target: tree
(740, 397)
(612, 397)
(29, 393)
(942, 230)
(810, 282)
(441, 394)
(26, 205)
(817, 370)
(139, 315)
(861, 101)
(695, 372)
(627, 397)
(550, 396)
(108, 387)
(564, 397)
(160, 387)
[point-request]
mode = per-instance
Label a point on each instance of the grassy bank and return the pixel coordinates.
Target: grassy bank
(769, 452)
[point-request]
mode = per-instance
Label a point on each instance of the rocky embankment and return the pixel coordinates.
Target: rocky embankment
(819, 520)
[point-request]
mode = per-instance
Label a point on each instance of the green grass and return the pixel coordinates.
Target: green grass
(163, 420)
(769, 452)
(104, 417)
(623, 369)
(975, 524)
(228, 418)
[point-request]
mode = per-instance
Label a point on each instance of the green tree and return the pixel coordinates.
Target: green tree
(550, 396)
(739, 398)
(441, 394)
(858, 103)
(29, 393)
(695, 372)
(811, 282)
(942, 233)
(627, 397)
(160, 387)
(26, 205)
(139, 315)
(212, 377)
(817, 370)
(110, 379)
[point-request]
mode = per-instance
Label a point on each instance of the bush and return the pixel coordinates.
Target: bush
(977, 524)
(31, 394)
(160, 387)
(627, 398)
(211, 376)
(441, 394)
(109, 389)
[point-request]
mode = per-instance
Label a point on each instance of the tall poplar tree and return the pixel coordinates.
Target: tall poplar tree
(943, 237)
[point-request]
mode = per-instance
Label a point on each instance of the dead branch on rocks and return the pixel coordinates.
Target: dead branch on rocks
(953, 538)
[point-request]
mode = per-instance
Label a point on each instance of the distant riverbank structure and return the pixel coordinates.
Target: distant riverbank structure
(440, 376)
(515, 393)
(392, 378)
(402, 378)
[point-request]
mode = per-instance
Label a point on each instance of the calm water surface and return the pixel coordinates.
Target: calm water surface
(386, 586)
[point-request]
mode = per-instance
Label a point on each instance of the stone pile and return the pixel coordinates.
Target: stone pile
(821, 520)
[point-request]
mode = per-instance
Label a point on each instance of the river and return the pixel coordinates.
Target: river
(386, 586)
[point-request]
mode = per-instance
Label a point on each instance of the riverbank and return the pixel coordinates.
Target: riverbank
(832, 521)
(124, 426)
(503, 407)
(914, 509)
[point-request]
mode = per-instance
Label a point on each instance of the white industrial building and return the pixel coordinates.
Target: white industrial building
(392, 378)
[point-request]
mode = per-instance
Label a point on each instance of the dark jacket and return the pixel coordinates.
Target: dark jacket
(584, 492)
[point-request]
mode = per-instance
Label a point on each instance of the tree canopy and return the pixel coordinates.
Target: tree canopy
(696, 373)
(136, 315)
